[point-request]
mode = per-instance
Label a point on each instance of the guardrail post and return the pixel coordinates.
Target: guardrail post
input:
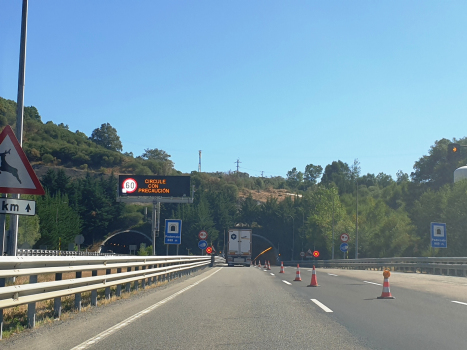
(128, 284)
(32, 306)
(2, 284)
(94, 291)
(150, 278)
(107, 289)
(79, 274)
(118, 293)
(58, 300)
(136, 284)
(143, 282)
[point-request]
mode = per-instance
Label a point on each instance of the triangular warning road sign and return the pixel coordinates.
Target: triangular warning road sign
(16, 174)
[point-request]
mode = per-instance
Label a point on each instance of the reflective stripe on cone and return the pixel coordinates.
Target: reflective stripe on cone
(297, 274)
(386, 294)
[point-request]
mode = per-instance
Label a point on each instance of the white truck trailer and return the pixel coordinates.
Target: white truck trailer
(239, 247)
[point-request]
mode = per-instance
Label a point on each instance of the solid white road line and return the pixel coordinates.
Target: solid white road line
(286, 282)
(331, 274)
(376, 284)
(272, 274)
(459, 302)
(321, 305)
(130, 319)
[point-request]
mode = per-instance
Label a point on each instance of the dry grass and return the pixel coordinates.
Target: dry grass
(15, 318)
(263, 195)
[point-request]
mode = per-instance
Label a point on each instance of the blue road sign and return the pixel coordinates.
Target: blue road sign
(344, 247)
(202, 244)
(438, 235)
(173, 231)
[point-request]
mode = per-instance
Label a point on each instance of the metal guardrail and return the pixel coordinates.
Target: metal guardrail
(119, 271)
(455, 266)
(45, 252)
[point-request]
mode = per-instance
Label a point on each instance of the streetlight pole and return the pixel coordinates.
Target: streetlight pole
(356, 223)
(293, 235)
(332, 250)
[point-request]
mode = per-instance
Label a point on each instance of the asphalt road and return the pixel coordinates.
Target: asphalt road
(249, 308)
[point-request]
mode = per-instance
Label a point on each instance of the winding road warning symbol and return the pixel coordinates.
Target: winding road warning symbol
(16, 174)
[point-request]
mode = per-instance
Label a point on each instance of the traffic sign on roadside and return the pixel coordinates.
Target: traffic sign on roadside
(302, 254)
(17, 206)
(209, 250)
(202, 235)
(438, 235)
(202, 244)
(316, 253)
(345, 237)
(344, 247)
(173, 231)
(16, 174)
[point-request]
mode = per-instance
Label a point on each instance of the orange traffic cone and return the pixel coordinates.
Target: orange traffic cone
(386, 294)
(269, 265)
(282, 267)
(314, 281)
(297, 274)
(259, 264)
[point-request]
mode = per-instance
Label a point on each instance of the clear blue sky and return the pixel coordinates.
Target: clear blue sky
(277, 84)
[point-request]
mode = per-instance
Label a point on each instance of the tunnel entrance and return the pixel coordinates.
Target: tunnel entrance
(260, 244)
(120, 242)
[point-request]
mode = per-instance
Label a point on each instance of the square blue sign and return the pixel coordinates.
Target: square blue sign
(438, 235)
(173, 231)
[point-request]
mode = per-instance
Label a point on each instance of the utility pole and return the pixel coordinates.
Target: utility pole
(13, 241)
(238, 164)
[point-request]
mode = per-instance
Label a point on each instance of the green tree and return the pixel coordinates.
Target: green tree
(58, 221)
(340, 174)
(106, 136)
(155, 154)
(294, 178)
(312, 173)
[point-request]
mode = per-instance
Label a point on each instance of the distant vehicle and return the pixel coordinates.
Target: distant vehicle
(239, 247)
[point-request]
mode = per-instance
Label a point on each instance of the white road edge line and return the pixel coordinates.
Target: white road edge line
(286, 282)
(376, 284)
(331, 274)
(459, 302)
(130, 319)
(321, 305)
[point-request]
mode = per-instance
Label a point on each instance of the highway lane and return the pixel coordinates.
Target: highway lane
(248, 308)
(237, 308)
(414, 320)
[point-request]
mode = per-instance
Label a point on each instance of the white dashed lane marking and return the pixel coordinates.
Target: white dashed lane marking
(321, 305)
(376, 284)
(286, 282)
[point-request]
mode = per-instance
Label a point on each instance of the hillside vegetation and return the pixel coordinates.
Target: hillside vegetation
(394, 214)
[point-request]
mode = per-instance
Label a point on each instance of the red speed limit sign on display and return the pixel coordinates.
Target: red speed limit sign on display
(344, 237)
(202, 235)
